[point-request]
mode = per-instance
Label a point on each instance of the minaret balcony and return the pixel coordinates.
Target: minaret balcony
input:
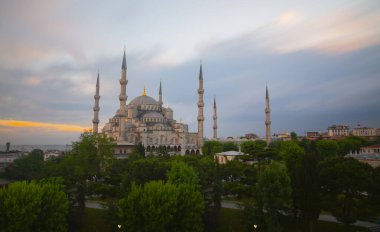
(123, 97)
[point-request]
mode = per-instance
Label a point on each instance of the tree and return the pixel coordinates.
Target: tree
(139, 150)
(93, 153)
(327, 148)
(142, 171)
(34, 206)
(180, 173)
(289, 150)
(230, 146)
(54, 206)
(351, 144)
(162, 207)
(212, 147)
(306, 188)
(232, 173)
(293, 135)
(272, 192)
(253, 147)
(344, 183)
(28, 167)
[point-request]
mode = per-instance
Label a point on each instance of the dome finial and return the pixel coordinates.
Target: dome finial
(144, 93)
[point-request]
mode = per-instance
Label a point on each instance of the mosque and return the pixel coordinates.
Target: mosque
(147, 121)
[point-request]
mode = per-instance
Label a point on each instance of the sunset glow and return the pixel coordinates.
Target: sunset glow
(58, 127)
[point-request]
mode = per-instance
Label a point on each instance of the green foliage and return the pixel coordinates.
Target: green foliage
(54, 206)
(231, 173)
(212, 147)
(273, 187)
(180, 173)
(34, 206)
(141, 171)
(344, 180)
(139, 150)
(230, 146)
(253, 147)
(94, 153)
(272, 193)
(28, 167)
(327, 148)
(162, 207)
(351, 144)
(293, 135)
(306, 188)
(290, 149)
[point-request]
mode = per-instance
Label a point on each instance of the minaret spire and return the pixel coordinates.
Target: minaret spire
(160, 95)
(124, 64)
(123, 85)
(95, 120)
(200, 108)
(215, 126)
(122, 112)
(267, 117)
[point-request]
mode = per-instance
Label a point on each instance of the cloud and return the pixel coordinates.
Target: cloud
(42, 125)
(32, 81)
(287, 18)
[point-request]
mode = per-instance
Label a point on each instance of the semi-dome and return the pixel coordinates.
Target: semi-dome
(143, 100)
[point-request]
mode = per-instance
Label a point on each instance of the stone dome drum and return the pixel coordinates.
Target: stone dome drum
(143, 100)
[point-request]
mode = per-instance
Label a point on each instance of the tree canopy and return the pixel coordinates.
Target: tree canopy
(35, 206)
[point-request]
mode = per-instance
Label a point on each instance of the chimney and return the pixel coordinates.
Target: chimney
(7, 145)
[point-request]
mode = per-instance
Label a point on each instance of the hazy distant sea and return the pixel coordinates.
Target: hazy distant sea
(31, 147)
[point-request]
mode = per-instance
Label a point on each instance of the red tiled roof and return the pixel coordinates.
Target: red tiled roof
(373, 146)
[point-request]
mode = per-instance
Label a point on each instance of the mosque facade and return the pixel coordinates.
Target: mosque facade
(147, 121)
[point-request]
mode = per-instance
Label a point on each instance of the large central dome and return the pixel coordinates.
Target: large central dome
(143, 100)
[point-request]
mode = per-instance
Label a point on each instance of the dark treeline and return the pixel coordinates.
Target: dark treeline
(298, 179)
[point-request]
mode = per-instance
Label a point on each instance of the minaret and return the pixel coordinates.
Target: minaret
(123, 86)
(215, 117)
(160, 96)
(267, 117)
(200, 108)
(122, 112)
(95, 120)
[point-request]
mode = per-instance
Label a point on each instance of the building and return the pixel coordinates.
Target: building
(369, 155)
(224, 157)
(338, 130)
(285, 136)
(8, 157)
(365, 132)
(147, 121)
(313, 135)
(374, 149)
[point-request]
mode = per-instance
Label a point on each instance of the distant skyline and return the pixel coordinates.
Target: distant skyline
(320, 60)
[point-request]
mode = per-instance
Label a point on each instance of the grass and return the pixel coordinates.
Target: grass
(229, 221)
(94, 221)
(297, 225)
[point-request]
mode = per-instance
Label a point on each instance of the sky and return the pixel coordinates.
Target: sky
(320, 60)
